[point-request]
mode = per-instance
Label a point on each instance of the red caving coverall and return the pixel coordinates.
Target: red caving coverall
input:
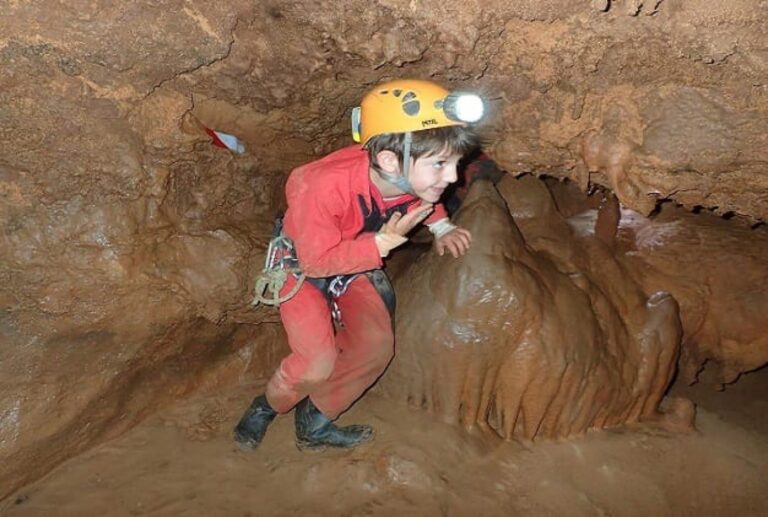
(334, 211)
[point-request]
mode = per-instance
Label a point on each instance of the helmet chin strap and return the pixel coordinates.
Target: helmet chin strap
(401, 181)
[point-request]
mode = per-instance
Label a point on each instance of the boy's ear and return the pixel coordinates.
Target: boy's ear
(388, 161)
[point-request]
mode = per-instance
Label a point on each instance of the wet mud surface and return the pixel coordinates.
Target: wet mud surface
(183, 462)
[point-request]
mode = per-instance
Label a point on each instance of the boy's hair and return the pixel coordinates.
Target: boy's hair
(455, 139)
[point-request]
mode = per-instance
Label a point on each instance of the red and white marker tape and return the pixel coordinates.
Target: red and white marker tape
(226, 141)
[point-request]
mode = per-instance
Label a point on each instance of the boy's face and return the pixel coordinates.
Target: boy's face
(431, 174)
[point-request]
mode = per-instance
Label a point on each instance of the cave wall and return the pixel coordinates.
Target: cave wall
(656, 100)
(128, 240)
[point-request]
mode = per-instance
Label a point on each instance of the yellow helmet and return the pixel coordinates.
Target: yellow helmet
(408, 105)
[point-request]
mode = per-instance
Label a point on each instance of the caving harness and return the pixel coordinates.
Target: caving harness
(281, 261)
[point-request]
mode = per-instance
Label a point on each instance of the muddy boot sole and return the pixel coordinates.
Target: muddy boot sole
(245, 443)
(318, 446)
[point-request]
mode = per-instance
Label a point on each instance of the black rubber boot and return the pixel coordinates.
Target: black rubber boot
(253, 425)
(315, 431)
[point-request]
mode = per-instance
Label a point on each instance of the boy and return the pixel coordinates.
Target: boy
(346, 212)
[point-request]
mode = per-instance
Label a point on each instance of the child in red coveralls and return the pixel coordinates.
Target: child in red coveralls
(346, 212)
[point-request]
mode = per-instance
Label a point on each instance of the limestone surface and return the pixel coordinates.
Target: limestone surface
(717, 272)
(530, 343)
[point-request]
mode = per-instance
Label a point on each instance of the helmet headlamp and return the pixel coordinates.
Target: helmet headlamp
(464, 107)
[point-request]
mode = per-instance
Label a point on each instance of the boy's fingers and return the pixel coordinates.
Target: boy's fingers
(403, 223)
(393, 221)
(421, 212)
(425, 208)
(414, 217)
(462, 246)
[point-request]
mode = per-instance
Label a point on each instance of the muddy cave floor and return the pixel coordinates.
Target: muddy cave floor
(183, 462)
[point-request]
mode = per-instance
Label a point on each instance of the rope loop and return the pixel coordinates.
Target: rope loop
(280, 262)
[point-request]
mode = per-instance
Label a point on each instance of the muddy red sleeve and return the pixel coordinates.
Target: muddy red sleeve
(438, 213)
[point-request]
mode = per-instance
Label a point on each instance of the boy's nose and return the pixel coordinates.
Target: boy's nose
(449, 174)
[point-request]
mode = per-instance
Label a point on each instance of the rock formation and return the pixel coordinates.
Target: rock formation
(715, 268)
(531, 343)
(717, 272)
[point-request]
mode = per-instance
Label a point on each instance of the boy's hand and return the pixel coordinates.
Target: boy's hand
(392, 234)
(402, 224)
(456, 241)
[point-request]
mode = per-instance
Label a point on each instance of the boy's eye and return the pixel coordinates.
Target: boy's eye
(439, 165)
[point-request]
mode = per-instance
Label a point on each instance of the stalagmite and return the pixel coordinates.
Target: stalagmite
(533, 344)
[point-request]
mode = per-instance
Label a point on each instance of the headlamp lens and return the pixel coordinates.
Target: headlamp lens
(464, 107)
